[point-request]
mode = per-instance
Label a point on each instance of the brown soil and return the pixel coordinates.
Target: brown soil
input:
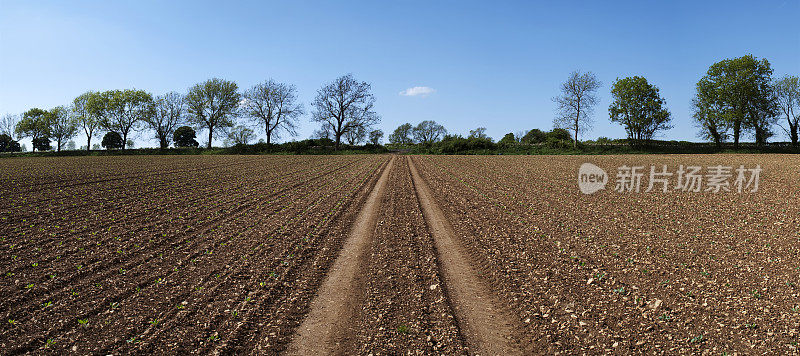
(328, 323)
(389, 255)
(483, 320)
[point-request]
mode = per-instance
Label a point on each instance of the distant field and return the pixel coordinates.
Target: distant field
(390, 254)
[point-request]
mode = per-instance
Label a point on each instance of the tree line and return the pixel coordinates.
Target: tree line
(736, 97)
(344, 108)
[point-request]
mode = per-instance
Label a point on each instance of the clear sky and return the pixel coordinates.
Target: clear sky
(495, 64)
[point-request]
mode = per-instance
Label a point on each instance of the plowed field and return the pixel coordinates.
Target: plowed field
(392, 255)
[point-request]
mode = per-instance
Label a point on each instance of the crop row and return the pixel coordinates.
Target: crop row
(212, 250)
(685, 265)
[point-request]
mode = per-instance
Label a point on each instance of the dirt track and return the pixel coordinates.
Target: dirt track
(329, 321)
(485, 325)
(388, 255)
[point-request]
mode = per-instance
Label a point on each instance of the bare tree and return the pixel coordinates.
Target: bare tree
(345, 104)
(169, 113)
(576, 103)
(86, 115)
(787, 93)
(356, 136)
(519, 135)
(8, 124)
(428, 131)
(326, 131)
(275, 106)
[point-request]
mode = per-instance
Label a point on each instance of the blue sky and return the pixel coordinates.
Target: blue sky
(491, 63)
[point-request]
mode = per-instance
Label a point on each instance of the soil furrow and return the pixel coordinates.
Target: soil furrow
(325, 327)
(197, 252)
(487, 325)
(101, 271)
(404, 305)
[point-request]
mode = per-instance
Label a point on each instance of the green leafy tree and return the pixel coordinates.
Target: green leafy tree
(762, 110)
(8, 144)
(356, 136)
(85, 117)
(534, 136)
(428, 132)
(345, 105)
(639, 108)
(508, 140)
(123, 111)
(62, 126)
(241, 135)
(787, 94)
(35, 124)
(185, 137)
(41, 144)
(576, 103)
(479, 133)
(375, 137)
(402, 135)
(709, 113)
(275, 106)
(213, 105)
(739, 91)
(560, 134)
(112, 141)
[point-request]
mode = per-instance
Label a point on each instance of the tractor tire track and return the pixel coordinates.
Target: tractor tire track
(325, 326)
(488, 328)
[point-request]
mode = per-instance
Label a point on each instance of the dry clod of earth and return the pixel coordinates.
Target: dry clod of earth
(384, 254)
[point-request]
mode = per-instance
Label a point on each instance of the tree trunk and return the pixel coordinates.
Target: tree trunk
(338, 139)
(163, 142)
(89, 143)
(124, 140)
(58, 145)
(761, 138)
(577, 123)
(575, 143)
(269, 134)
(737, 129)
(210, 136)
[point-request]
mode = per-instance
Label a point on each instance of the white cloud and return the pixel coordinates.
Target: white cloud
(418, 91)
